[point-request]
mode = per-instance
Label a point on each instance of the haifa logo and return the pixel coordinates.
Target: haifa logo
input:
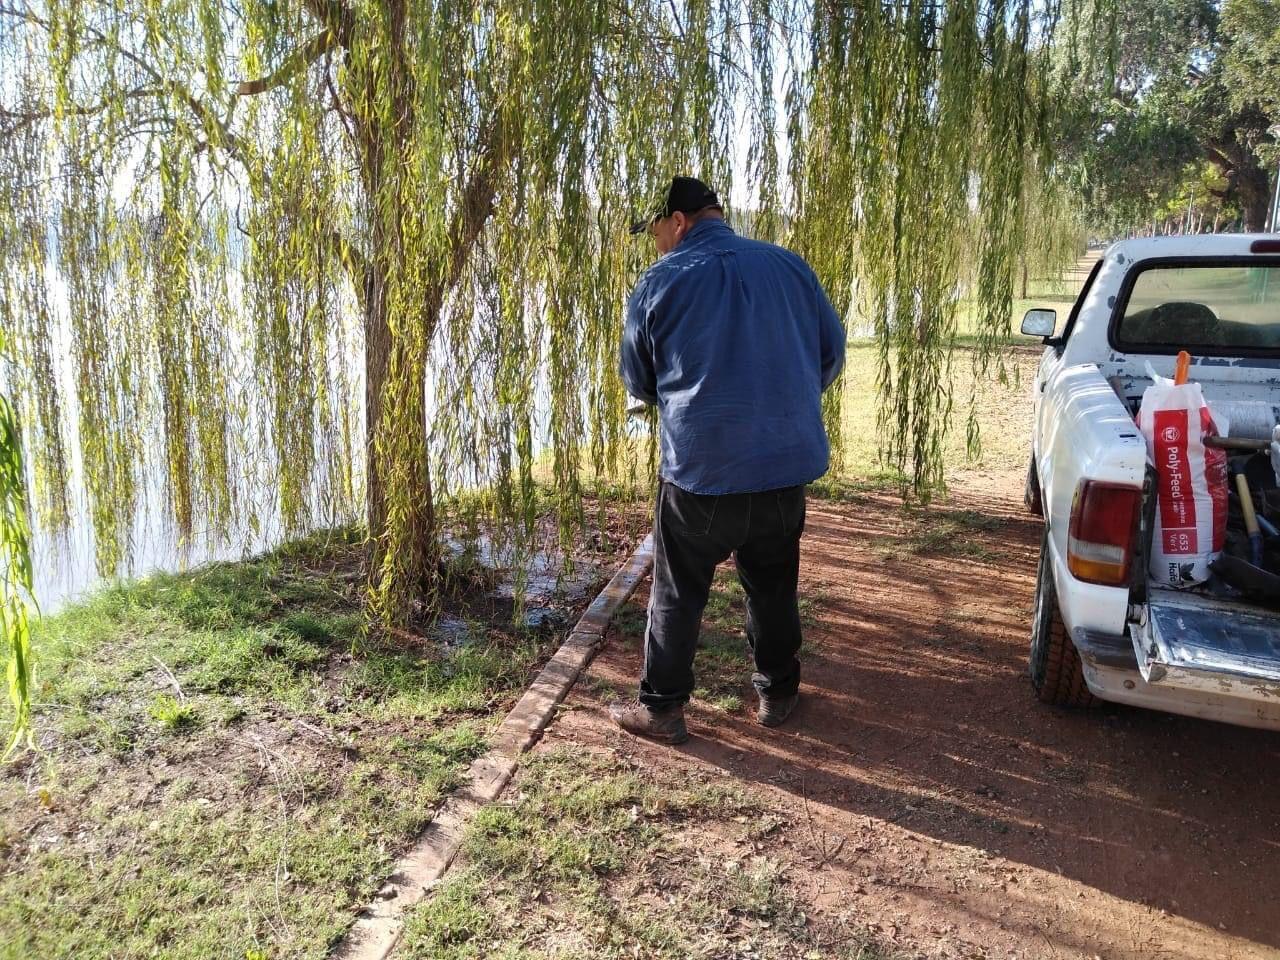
(1170, 434)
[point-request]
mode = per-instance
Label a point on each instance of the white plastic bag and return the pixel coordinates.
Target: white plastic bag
(1191, 493)
(1275, 453)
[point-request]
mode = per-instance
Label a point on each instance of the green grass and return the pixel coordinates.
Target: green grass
(941, 532)
(227, 766)
(196, 872)
(174, 716)
(594, 859)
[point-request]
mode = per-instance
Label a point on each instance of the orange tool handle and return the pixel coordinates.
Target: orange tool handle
(1183, 369)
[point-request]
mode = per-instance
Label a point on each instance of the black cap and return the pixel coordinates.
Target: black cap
(686, 195)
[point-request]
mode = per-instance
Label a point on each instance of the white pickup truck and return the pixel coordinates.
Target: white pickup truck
(1102, 627)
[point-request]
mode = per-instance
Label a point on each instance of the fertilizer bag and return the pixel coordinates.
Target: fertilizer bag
(1191, 490)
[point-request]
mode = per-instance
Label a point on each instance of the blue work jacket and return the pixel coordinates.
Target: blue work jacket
(734, 340)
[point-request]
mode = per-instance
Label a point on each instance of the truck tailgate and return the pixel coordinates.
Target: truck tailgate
(1196, 642)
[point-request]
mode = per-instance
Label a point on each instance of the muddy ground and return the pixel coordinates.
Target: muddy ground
(924, 794)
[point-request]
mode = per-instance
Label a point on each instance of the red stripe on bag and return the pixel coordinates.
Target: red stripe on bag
(1177, 499)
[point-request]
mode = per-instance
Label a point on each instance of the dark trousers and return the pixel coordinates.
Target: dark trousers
(692, 534)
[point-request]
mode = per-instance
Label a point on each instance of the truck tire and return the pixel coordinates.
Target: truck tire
(1031, 494)
(1056, 674)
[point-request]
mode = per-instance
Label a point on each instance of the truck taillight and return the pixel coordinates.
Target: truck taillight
(1104, 519)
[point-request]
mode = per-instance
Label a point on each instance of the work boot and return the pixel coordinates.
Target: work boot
(773, 711)
(665, 726)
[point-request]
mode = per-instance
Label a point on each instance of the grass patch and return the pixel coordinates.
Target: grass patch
(942, 533)
(196, 870)
(856, 489)
(229, 769)
(598, 860)
(174, 716)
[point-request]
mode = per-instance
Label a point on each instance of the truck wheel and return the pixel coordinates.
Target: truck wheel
(1031, 494)
(1056, 674)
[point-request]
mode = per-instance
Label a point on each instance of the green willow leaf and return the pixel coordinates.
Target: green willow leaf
(16, 575)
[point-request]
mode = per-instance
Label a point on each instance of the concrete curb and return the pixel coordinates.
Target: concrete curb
(377, 930)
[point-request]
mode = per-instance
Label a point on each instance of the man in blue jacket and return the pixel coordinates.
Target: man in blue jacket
(734, 340)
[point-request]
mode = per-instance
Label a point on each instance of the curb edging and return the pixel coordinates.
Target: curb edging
(378, 928)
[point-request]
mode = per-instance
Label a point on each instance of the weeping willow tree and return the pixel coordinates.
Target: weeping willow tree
(311, 261)
(15, 573)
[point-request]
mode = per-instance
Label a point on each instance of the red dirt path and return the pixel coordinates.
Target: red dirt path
(927, 793)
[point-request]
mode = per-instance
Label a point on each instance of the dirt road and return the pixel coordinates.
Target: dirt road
(922, 790)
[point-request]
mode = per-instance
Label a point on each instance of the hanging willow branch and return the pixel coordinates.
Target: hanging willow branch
(281, 265)
(15, 574)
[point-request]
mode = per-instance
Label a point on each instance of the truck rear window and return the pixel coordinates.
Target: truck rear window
(1206, 308)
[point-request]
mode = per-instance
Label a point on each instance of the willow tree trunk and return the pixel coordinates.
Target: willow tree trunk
(377, 357)
(475, 207)
(383, 141)
(380, 347)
